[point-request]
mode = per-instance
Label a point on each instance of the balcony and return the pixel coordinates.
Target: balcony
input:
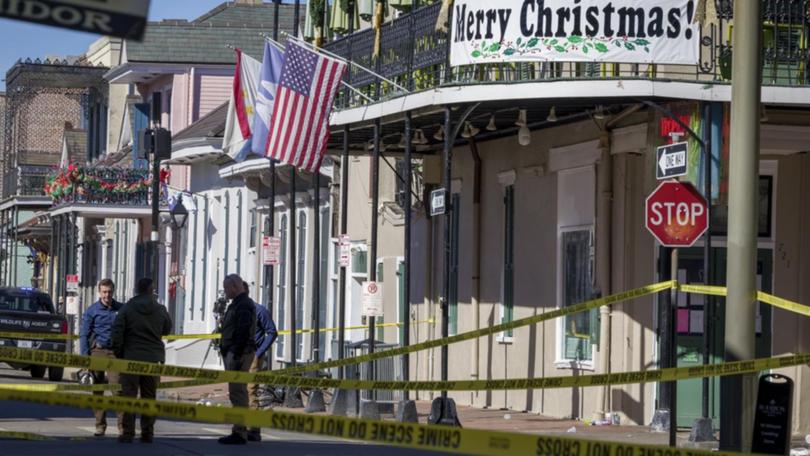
(100, 192)
(416, 57)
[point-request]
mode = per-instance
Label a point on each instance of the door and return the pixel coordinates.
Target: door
(689, 325)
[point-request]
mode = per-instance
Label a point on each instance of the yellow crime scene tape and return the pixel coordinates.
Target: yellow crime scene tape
(23, 436)
(75, 387)
(766, 298)
(40, 336)
(408, 435)
(277, 378)
(570, 310)
(282, 377)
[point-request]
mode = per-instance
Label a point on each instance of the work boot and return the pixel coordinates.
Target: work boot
(233, 439)
(147, 438)
(125, 439)
(100, 431)
(254, 436)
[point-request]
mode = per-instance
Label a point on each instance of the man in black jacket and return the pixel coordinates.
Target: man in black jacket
(238, 347)
(137, 335)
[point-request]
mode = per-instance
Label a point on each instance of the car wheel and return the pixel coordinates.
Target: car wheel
(38, 371)
(55, 374)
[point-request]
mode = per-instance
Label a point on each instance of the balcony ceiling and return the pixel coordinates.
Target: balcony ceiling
(102, 211)
(505, 112)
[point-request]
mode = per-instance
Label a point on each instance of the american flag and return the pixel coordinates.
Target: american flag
(300, 121)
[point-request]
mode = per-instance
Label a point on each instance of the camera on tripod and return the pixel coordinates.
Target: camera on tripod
(219, 315)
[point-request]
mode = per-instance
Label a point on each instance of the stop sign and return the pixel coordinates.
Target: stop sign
(676, 214)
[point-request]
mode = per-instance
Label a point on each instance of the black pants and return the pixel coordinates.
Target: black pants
(131, 385)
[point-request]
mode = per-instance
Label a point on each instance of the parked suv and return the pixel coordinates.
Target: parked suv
(26, 310)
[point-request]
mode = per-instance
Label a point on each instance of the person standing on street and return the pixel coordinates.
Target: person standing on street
(238, 347)
(266, 334)
(138, 336)
(95, 340)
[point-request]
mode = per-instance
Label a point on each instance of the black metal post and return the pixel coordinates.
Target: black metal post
(3, 240)
(51, 250)
(447, 157)
(296, 17)
(665, 341)
(406, 292)
(292, 268)
(372, 257)
(707, 252)
(269, 271)
(411, 46)
(316, 267)
(292, 225)
(673, 352)
(344, 226)
(155, 235)
(276, 3)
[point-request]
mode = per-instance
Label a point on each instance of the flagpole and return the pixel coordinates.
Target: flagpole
(348, 62)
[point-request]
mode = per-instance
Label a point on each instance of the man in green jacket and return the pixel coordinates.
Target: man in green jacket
(137, 335)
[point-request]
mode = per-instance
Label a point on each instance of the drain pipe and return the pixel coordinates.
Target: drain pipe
(603, 276)
(476, 255)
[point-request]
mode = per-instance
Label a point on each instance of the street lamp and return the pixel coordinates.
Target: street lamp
(179, 213)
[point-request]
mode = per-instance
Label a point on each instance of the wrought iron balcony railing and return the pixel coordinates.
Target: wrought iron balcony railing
(111, 186)
(26, 180)
(417, 57)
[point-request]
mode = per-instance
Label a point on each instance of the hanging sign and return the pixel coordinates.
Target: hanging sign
(372, 299)
(629, 31)
(345, 250)
(124, 19)
(271, 247)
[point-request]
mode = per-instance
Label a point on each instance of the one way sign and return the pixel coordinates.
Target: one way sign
(671, 160)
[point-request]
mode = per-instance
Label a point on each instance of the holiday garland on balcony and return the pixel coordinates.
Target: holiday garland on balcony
(79, 180)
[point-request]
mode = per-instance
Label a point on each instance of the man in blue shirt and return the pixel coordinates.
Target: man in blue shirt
(95, 339)
(266, 334)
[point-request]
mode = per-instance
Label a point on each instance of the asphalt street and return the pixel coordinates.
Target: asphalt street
(71, 434)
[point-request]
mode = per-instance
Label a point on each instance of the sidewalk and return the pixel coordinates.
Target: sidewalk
(492, 420)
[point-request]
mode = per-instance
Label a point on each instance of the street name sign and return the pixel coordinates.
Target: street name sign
(671, 160)
(676, 214)
(120, 18)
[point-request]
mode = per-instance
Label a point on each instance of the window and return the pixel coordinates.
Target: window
(300, 282)
(360, 261)
(508, 297)
(576, 215)
(26, 302)
(577, 272)
(452, 299)
(253, 228)
(281, 281)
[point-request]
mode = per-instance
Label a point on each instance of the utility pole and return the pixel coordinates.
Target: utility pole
(738, 393)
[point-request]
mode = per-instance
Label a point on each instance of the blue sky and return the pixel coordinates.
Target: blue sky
(23, 39)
